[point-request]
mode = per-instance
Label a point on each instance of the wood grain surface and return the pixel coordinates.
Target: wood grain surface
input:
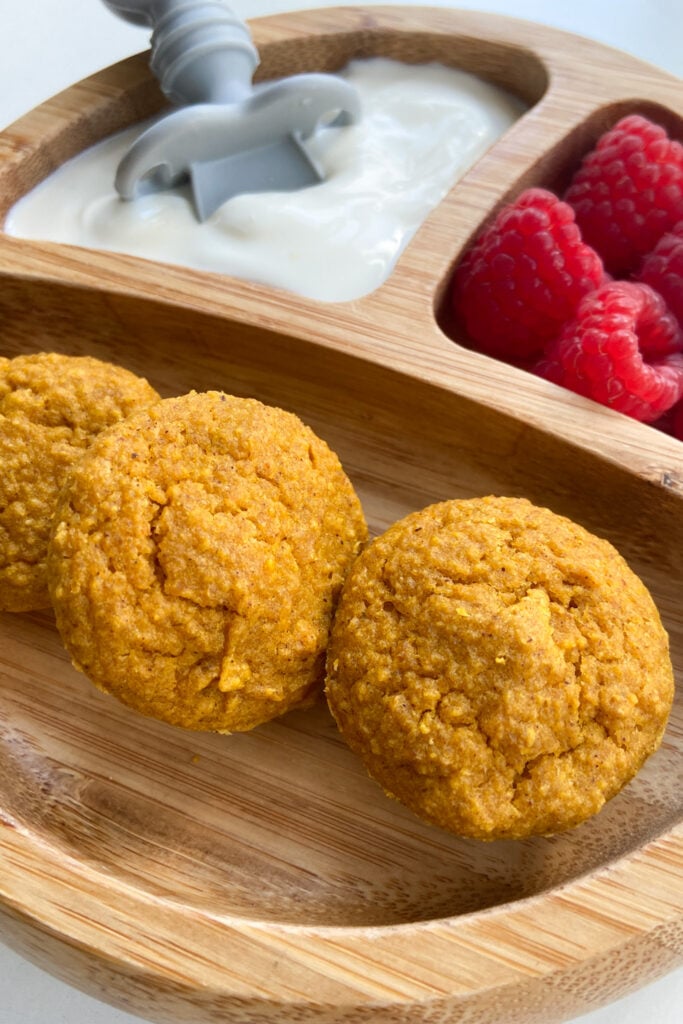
(263, 877)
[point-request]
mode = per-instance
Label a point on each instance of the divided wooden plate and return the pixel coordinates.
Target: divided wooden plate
(262, 877)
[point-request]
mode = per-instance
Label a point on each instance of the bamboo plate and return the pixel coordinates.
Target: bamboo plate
(262, 877)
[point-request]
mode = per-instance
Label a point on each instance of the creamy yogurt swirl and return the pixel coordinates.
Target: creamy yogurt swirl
(423, 126)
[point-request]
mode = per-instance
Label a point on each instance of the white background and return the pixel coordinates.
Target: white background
(45, 45)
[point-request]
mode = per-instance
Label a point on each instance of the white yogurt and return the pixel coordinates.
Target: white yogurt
(423, 126)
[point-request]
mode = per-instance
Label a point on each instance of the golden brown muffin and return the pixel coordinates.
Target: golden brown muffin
(499, 669)
(51, 408)
(197, 556)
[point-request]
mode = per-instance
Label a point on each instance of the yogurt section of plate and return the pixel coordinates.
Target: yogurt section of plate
(422, 127)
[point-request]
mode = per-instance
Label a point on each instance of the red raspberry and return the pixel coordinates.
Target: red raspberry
(524, 277)
(623, 349)
(628, 192)
(662, 269)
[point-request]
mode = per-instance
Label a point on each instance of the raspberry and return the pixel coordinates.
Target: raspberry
(662, 269)
(628, 192)
(524, 277)
(623, 349)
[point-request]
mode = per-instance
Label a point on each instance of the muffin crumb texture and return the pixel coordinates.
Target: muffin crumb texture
(51, 408)
(498, 668)
(196, 559)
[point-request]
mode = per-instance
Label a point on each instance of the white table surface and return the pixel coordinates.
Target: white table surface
(47, 45)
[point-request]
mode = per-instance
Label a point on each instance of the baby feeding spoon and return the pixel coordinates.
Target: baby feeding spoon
(229, 136)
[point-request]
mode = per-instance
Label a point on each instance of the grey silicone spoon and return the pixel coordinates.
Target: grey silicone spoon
(229, 137)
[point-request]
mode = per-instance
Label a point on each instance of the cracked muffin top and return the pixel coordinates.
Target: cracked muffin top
(196, 559)
(498, 668)
(51, 408)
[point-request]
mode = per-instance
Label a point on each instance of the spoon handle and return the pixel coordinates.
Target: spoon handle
(201, 51)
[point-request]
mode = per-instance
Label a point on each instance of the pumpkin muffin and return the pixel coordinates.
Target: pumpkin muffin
(499, 669)
(51, 408)
(197, 555)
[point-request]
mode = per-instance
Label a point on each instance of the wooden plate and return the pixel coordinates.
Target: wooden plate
(262, 877)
